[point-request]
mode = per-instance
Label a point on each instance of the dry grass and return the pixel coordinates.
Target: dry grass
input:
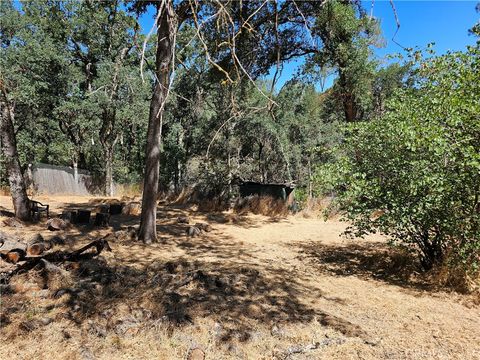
(261, 205)
(129, 190)
(255, 287)
(318, 208)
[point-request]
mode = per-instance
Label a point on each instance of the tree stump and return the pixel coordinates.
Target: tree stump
(70, 216)
(83, 216)
(115, 209)
(56, 224)
(102, 219)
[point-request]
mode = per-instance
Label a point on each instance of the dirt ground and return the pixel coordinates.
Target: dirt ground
(253, 288)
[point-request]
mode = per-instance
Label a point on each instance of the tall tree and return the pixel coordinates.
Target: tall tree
(29, 61)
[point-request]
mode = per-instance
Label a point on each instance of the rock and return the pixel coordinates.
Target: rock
(126, 326)
(183, 220)
(45, 321)
(217, 330)
(56, 224)
(204, 227)
(96, 329)
(277, 331)
(85, 353)
(196, 354)
(42, 294)
(193, 231)
(30, 325)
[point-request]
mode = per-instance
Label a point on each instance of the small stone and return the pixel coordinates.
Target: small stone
(193, 231)
(183, 220)
(196, 354)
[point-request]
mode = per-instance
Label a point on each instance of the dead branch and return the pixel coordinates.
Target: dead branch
(29, 262)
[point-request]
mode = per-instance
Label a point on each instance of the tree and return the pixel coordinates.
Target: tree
(217, 26)
(28, 60)
(346, 34)
(412, 173)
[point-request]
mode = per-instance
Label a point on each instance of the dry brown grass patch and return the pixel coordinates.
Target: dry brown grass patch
(261, 205)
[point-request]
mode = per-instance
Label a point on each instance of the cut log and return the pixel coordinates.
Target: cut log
(38, 248)
(13, 222)
(204, 227)
(116, 209)
(70, 216)
(83, 216)
(102, 219)
(30, 262)
(13, 256)
(56, 224)
(37, 238)
(103, 208)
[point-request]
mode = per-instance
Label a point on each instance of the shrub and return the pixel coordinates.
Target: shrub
(414, 173)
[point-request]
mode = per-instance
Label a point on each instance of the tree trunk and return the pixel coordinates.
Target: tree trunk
(165, 45)
(310, 180)
(348, 99)
(109, 172)
(12, 162)
(75, 171)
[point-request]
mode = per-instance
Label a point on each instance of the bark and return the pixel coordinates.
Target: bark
(12, 163)
(348, 99)
(75, 171)
(165, 44)
(109, 172)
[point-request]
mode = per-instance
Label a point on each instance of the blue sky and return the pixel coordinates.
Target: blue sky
(445, 23)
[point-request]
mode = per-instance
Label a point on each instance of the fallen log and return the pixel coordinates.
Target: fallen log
(13, 222)
(10, 242)
(38, 248)
(29, 262)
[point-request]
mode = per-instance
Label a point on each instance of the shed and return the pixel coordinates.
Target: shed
(277, 191)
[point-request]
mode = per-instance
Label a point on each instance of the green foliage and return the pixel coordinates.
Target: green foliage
(414, 172)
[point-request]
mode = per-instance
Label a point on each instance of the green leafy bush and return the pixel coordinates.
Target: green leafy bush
(414, 173)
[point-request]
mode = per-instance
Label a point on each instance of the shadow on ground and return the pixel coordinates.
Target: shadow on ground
(366, 260)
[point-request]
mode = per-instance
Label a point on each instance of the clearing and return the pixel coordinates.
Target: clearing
(253, 288)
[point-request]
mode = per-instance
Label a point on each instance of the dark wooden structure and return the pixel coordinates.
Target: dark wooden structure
(102, 219)
(83, 216)
(69, 215)
(36, 208)
(115, 209)
(277, 191)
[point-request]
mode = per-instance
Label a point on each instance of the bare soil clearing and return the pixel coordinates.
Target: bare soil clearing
(252, 288)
